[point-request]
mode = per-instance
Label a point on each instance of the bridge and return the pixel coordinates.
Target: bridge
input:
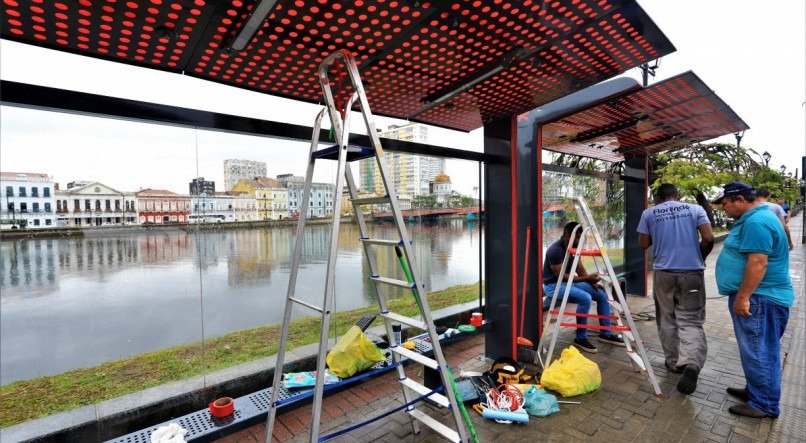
(429, 214)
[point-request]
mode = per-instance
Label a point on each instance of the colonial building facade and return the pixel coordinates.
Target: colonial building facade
(26, 200)
(271, 197)
(159, 206)
(94, 204)
(321, 199)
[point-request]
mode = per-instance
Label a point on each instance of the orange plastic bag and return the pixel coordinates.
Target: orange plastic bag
(572, 374)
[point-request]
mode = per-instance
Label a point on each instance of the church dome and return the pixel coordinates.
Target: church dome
(442, 178)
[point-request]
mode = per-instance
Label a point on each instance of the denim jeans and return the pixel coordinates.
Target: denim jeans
(582, 294)
(759, 340)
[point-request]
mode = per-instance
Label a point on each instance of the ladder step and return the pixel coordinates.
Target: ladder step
(353, 153)
(371, 200)
(586, 252)
(306, 304)
(422, 390)
(405, 320)
(432, 423)
(393, 282)
(373, 241)
(416, 356)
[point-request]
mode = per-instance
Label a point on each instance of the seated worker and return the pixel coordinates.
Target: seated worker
(584, 289)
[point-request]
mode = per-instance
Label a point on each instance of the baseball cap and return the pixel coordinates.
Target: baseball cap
(735, 188)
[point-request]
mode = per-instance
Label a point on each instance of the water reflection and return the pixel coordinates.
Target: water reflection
(79, 301)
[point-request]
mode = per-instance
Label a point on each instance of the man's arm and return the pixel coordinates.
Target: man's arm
(644, 240)
(754, 272)
(581, 274)
(706, 239)
(788, 235)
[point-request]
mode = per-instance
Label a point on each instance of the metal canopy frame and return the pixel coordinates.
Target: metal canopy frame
(666, 115)
(457, 64)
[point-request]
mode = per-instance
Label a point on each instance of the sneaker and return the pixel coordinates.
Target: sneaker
(612, 339)
(740, 393)
(688, 382)
(584, 345)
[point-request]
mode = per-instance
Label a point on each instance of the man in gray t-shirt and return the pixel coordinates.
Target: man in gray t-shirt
(681, 238)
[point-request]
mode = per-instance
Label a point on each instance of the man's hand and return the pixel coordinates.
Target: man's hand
(741, 307)
(592, 278)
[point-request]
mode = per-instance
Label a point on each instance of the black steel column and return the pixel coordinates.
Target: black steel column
(635, 197)
(498, 238)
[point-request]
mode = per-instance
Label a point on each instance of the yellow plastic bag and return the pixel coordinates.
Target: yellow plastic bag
(353, 353)
(572, 374)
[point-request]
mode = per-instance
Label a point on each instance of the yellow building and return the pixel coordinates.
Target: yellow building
(271, 197)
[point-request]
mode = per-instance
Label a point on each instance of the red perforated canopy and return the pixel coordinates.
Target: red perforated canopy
(455, 63)
(666, 115)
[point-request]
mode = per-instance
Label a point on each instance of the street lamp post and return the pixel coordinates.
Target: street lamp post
(783, 169)
(767, 158)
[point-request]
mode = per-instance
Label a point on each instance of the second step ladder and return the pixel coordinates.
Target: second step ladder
(618, 303)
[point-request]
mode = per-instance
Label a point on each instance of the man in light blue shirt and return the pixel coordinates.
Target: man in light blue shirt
(753, 270)
(763, 196)
(681, 237)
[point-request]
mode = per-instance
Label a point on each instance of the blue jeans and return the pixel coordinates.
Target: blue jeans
(582, 294)
(759, 340)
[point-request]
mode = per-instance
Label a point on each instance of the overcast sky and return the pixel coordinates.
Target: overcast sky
(751, 53)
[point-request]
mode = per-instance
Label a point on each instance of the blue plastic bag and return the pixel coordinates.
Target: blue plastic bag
(539, 402)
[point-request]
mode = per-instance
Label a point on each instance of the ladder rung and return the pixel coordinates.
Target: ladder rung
(353, 153)
(405, 320)
(422, 390)
(373, 241)
(586, 252)
(371, 200)
(393, 282)
(432, 423)
(416, 356)
(306, 304)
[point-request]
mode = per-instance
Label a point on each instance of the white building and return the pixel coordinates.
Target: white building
(411, 174)
(441, 188)
(321, 199)
(245, 206)
(27, 200)
(94, 204)
(206, 208)
(237, 170)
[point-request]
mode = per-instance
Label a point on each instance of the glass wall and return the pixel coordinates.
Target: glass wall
(169, 252)
(605, 197)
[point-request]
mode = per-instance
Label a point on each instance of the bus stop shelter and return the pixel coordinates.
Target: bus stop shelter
(502, 65)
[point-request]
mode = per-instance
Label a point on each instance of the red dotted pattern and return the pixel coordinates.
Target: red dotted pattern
(158, 33)
(672, 113)
(412, 50)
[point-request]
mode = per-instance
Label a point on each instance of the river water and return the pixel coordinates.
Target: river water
(72, 302)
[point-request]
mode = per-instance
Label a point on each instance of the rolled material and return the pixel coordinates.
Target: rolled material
(519, 417)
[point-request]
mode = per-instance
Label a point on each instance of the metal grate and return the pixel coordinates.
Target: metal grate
(452, 63)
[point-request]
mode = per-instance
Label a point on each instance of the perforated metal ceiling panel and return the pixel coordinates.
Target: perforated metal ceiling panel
(456, 64)
(666, 115)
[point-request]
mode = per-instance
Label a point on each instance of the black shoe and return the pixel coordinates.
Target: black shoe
(612, 339)
(688, 382)
(584, 345)
(747, 411)
(674, 369)
(740, 393)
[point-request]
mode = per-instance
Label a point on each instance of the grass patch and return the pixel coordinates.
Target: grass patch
(29, 399)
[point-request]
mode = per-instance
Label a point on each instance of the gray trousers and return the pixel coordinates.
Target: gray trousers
(680, 314)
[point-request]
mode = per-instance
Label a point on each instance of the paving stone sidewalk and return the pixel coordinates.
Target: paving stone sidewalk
(625, 408)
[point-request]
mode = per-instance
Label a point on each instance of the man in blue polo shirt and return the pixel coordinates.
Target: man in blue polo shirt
(753, 270)
(681, 238)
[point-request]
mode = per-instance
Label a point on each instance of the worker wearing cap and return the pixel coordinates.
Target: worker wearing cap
(753, 270)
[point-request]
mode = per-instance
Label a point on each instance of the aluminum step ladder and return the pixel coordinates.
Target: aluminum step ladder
(620, 310)
(343, 153)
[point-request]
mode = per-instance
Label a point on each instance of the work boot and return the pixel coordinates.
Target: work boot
(749, 411)
(688, 382)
